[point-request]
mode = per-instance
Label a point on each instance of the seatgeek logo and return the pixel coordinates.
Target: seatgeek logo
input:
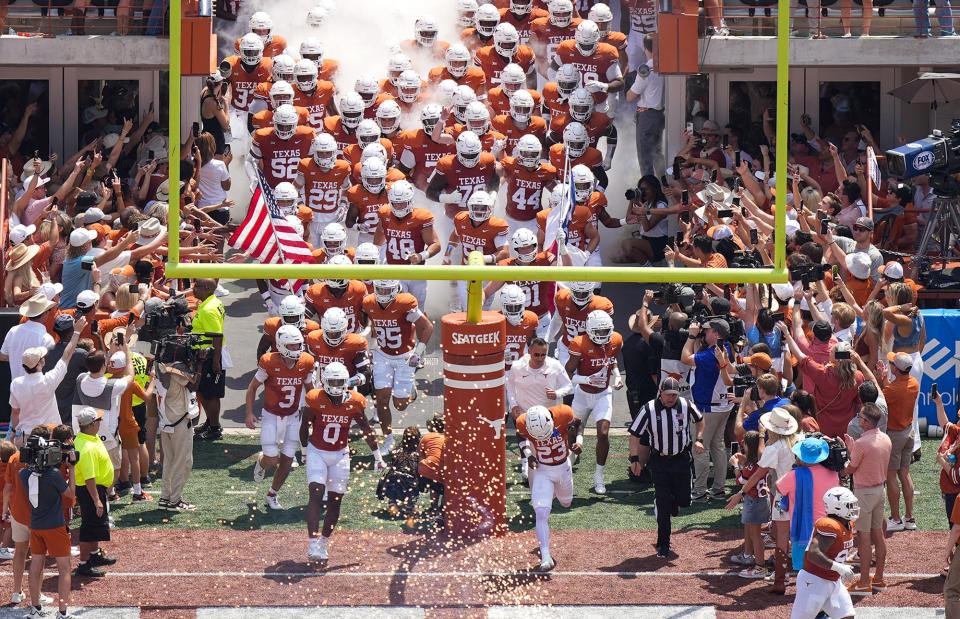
(477, 338)
(941, 363)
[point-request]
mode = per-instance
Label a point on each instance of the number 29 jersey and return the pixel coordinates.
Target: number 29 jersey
(331, 420)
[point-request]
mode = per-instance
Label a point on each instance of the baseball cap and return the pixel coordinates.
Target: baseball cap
(858, 263)
(87, 200)
(822, 330)
(87, 299)
(64, 322)
(864, 222)
(687, 297)
(118, 360)
(51, 289)
(87, 415)
(81, 236)
(670, 385)
(792, 228)
(783, 292)
(32, 356)
(759, 360)
(110, 140)
(721, 326)
(19, 233)
(92, 216)
(892, 271)
(901, 360)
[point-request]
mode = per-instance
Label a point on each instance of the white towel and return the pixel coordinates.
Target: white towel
(33, 485)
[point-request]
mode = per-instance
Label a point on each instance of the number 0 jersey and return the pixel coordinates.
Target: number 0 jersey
(331, 420)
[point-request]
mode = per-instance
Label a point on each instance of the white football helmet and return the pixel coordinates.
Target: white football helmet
(408, 86)
(425, 30)
(306, 73)
(512, 78)
(561, 13)
(368, 132)
(386, 290)
(468, 149)
(582, 292)
(583, 183)
(335, 377)
(397, 64)
(294, 222)
(580, 104)
(341, 260)
(334, 324)
(351, 109)
(367, 253)
(374, 149)
(457, 59)
(251, 49)
(401, 198)
(368, 87)
(289, 342)
(262, 25)
(316, 16)
(568, 79)
(312, 49)
(575, 139)
(521, 7)
(388, 117)
(602, 16)
(480, 206)
(462, 97)
(334, 239)
(841, 502)
(599, 327)
(506, 40)
(292, 311)
(429, 116)
(486, 20)
(445, 91)
(513, 302)
(281, 93)
(283, 68)
(477, 117)
(539, 422)
(324, 151)
(286, 195)
(521, 106)
(466, 11)
(373, 175)
(285, 119)
(524, 244)
(529, 151)
(587, 37)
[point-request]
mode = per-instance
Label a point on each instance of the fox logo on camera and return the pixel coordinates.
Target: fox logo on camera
(918, 157)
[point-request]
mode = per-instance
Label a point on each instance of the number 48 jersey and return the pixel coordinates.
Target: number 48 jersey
(404, 237)
(284, 386)
(281, 158)
(331, 419)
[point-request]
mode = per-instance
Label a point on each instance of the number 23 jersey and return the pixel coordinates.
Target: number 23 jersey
(330, 420)
(554, 449)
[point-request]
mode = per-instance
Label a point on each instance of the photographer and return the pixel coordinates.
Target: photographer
(213, 111)
(175, 384)
(647, 207)
(46, 489)
(94, 475)
(208, 322)
(761, 398)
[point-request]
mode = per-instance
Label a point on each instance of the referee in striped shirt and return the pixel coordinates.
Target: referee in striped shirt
(665, 430)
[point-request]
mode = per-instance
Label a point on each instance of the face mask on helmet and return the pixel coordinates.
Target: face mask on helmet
(429, 119)
(487, 19)
(526, 253)
(408, 87)
(568, 80)
(281, 94)
(513, 311)
(521, 7)
(334, 337)
(529, 158)
(386, 291)
(291, 311)
(292, 350)
(426, 31)
(600, 335)
(334, 380)
(561, 14)
(479, 124)
(521, 107)
(325, 158)
(368, 132)
(582, 294)
(479, 207)
(457, 68)
(251, 49)
(367, 253)
(334, 242)
(388, 117)
(285, 122)
(576, 148)
(374, 183)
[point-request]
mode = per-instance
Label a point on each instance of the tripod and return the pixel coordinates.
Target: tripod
(943, 228)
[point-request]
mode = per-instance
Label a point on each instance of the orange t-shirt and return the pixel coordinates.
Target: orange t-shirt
(901, 396)
(431, 451)
(19, 503)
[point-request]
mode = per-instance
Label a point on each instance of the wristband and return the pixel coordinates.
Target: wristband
(488, 258)
(579, 440)
(633, 459)
(419, 349)
(622, 221)
(425, 255)
(525, 451)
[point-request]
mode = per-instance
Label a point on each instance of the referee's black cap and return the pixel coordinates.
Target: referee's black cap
(670, 385)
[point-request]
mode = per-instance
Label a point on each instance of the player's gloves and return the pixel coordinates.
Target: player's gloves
(357, 380)
(417, 355)
(363, 227)
(451, 197)
(598, 380)
(845, 571)
(594, 87)
(618, 384)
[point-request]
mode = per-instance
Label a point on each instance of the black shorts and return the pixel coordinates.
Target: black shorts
(221, 216)
(213, 385)
(657, 244)
(140, 414)
(431, 485)
(93, 528)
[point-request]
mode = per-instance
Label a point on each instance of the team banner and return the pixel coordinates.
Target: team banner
(941, 362)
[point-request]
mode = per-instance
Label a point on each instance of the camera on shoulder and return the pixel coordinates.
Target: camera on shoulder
(41, 454)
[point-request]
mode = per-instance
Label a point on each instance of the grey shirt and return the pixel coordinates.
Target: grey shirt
(849, 246)
(66, 388)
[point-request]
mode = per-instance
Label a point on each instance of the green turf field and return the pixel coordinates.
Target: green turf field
(222, 487)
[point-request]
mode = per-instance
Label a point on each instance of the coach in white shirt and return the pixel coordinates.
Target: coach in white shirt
(647, 91)
(30, 334)
(33, 397)
(536, 380)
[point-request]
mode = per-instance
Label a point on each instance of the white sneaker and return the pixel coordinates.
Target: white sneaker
(294, 464)
(19, 598)
(258, 470)
(547, 563)
(35, 612)
(74, 551)
(273, 502)
(221, 291)
(598, 485)
(317, 550)
(894, 525)
(388, 444)
(6, 553)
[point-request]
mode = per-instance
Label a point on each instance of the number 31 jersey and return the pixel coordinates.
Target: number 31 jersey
(330, 420)
(283, 386)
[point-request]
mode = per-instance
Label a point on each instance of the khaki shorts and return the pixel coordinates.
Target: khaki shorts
(115, 456)
(871, 508)
(902, 452)
(20, 532)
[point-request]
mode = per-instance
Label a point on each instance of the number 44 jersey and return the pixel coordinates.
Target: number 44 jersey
(283, 386)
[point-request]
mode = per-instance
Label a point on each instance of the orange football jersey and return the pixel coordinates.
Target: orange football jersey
(499, 101)
(545, 38)
(417, 151)
(316, 101)
(595, 359)
(404, 236)
(353, 152)
(522, 23)
(275, 47)
(272, 324)
(412, 48)
(554, 449)
(344, 137)
(282, 385)
(367, 205)
(590, 158)
(525, 187)
(320, 254)
(281, 158)
(504, 124)
(474, 40)
(352, 351)
(576, 233)
(643, 15)
(553, 103)
(487, 238)
(393, 175)
(322, 298)
(618, 40)
(596, 203)
(493, 63)
(394, 324)
(370, 112)
(602, 65)
(264, 118)
(574, 316)
(322, 189)
(474, 78)
(597, 125)
(330, 420)
(463, 179)
(487, 140)
(244, 82)
(518, 336)
(837, 551)
(539, 294)
(262, 92)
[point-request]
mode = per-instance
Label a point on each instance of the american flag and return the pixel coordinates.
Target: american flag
(559, 219)
(267, 237)
(873, 168)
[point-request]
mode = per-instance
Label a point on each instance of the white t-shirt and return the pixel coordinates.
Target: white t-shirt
(777, 456)
(30, 334)
(212, 174)
(661, 228)
(119, 262)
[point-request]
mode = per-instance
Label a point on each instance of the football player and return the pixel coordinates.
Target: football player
(596, 201)
(421, 149)
(551, 471)
(314, 94)
(557, 92)
(592, 367)
(377, 150)
(277, 150)
(456, 177)
(512, 79)
(365, 199)
(368, 253)
(247, 69)
(466, 12)
(457, 111)
(407, 235)
(291, 311)
(334, 342)
(821, 584)
(287, 198)
(325, 431)
(346, 294)
(598, 62)
(526, 177)
(520, 14)
(581, 109)
(477, 119)
(481, 33)
(410, 91)
(574, 303)
(281, 93)
(402, 332)
(521, 322)
(323, 178)
(456, 67)
(425, 41)
(282, 71)
(316, 16)
(388, 119)
(536, 293)
(333, 243)
(576, 144)
(397, 64)
(369, 89)
(286, 375)
(581, 234)
(546, 33)
(520, 121)
(477, 230)
(368, 132)
(261, 25)
(602, 16)
(312, 49)
(506, 49)
(343, 128)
